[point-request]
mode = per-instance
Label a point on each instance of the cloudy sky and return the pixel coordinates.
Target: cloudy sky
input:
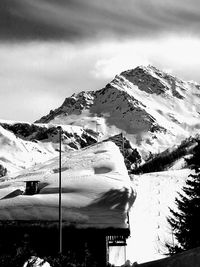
(50, 49)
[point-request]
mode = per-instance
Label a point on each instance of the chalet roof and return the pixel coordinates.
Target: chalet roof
(96, 190)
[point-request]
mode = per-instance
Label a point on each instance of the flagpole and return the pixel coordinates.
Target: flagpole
(60, 192)
(122, 144)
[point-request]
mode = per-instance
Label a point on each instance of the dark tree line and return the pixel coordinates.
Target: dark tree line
(166, 159)
(186, 221)
(3, 171)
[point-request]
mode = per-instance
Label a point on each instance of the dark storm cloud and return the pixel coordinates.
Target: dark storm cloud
(83, 19)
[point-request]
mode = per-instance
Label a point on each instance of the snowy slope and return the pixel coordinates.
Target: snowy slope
(96, 190)
(17, 154)
(24, 144)
(156, 192)
(154, 109)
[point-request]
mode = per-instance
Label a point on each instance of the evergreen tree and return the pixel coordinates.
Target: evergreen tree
(185, 222)
(3, 171)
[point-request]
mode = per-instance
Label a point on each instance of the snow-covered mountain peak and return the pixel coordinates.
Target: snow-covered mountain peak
(153, 108)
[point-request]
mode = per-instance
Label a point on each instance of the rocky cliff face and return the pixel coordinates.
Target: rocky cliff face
(153, 81)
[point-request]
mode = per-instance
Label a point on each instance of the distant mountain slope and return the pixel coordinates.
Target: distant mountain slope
(153, 109)
(171, 159)
(24, 145)
(17, 154)
(35, 143)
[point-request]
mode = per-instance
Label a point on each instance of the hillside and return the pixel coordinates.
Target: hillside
(184, 259)
(172, 158)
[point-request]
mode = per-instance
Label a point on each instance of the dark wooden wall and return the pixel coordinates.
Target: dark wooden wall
(83, 245)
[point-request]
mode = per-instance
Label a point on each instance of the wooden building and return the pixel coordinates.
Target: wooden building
(97, 195)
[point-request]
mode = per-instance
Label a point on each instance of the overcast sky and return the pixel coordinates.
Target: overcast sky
(50, 49)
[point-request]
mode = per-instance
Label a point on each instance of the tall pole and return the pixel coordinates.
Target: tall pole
(97, 132)
(122, 144)
(60, 192)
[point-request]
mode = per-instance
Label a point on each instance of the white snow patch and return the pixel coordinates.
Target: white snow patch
(36, 262)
